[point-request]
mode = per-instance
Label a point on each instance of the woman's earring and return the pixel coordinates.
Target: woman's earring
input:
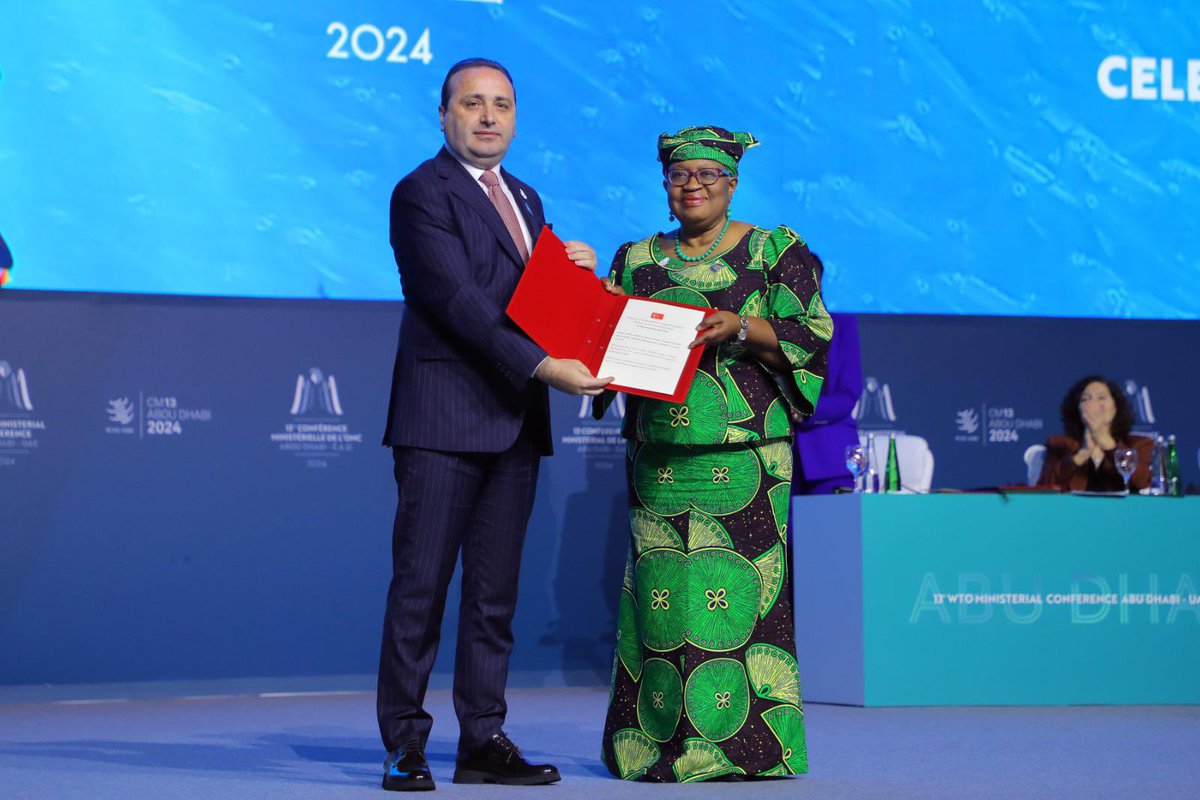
(671, 217)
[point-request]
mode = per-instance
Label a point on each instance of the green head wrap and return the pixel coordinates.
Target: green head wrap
(710, 142)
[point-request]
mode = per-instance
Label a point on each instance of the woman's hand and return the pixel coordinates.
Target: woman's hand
(1099, 431)
(1092, 449)
(582, 254)
(761, 341)
(1085, 450)
(611, 286)
(717, 327)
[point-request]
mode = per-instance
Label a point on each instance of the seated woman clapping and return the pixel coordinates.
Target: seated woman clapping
(1096, 419)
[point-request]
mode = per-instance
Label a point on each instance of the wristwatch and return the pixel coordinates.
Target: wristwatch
(744, 330)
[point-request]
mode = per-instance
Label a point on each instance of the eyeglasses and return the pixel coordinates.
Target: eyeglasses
(704, 177)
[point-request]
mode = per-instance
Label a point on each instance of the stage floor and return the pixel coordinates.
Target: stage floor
(326, 746)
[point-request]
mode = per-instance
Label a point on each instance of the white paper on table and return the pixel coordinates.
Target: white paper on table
(648, 349)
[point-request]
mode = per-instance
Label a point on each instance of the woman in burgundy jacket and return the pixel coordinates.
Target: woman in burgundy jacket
(1096, 419)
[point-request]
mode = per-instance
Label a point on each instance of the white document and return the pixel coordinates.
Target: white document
(648, 349)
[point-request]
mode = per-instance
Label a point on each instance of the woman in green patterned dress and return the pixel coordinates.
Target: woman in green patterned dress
(705, 683)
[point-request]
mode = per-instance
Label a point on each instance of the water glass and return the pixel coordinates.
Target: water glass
(1126, 461)
(857, 461)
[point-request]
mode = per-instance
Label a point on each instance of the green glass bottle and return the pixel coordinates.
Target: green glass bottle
(891, 479)
(1174, 485)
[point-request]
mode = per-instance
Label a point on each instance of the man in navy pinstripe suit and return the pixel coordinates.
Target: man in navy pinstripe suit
(468, 423)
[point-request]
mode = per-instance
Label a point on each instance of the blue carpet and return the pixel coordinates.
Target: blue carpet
(326, 746)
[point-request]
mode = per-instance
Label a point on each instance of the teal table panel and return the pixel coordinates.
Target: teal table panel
(1000, 600)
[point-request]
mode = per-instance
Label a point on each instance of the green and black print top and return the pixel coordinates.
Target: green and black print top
(734, 398)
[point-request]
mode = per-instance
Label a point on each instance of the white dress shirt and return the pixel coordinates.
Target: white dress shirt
(476, 172)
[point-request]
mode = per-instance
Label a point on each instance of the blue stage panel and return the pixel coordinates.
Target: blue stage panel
(191, 488)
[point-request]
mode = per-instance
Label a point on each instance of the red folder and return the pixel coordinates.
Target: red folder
(566, 310)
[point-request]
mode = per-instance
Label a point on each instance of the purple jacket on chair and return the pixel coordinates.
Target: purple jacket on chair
(822, 439)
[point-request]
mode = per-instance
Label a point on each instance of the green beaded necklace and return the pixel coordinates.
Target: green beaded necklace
(692, 259)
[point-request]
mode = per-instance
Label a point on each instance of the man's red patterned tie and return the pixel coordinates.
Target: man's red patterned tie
(492, 181)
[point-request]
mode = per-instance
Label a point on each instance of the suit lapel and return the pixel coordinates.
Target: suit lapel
(472, 193)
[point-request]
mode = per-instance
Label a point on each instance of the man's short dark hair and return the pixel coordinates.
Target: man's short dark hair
(468, 63)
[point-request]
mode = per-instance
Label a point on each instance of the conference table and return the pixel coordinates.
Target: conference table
(997, 599)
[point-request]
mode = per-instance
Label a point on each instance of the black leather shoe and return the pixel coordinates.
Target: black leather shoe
(406, 770)
(500, 761)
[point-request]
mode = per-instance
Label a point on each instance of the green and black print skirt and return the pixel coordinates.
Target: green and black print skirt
(705, 682)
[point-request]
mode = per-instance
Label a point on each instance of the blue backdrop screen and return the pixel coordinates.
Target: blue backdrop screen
(992, 157)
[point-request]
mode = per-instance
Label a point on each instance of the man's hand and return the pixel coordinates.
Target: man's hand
(582, 254)
(571, 376)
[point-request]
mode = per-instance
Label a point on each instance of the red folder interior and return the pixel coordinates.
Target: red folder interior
(566, 310)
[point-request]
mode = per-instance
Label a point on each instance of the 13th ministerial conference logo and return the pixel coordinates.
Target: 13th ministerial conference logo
(19, 429)
(875, 411)
(599, 440)
(875, 404)
(315, 431)
(1139, 399)
(316, 393)
(14, 389)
